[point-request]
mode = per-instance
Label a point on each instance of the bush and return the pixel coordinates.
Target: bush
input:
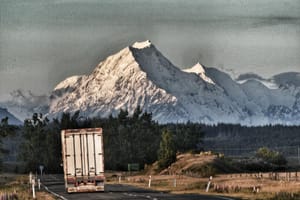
(202, 170)
(270, 156)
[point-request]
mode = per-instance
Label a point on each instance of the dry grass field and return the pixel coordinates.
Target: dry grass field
(244, 186)
(189, 174)
(14, 186)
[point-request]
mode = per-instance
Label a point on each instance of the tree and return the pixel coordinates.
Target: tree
(187, 136)
(34, 147)
(53, 146)
(5, 130)
(167, 150)
(68, 122)
(270, 156)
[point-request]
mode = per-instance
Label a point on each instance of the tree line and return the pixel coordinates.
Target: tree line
(135, 138)
(234, 139)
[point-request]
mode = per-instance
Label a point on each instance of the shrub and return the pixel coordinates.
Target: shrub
(270, 156)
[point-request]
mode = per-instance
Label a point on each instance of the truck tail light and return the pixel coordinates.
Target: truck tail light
(71, 180)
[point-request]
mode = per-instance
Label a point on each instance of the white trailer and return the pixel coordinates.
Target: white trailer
(83, 159)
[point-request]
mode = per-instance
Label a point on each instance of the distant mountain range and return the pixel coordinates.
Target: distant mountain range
(139, 75)
(11, 118)
(23, 104)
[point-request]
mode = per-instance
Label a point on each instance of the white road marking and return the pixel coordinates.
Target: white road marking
(53, 193)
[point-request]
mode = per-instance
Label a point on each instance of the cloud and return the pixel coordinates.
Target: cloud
(24, 103)
(275, 20)
(56, 39)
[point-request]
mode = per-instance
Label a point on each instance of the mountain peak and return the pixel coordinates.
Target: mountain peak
(142, 45)
(199, 70)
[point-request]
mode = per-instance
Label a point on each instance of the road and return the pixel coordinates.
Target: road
(55, 184)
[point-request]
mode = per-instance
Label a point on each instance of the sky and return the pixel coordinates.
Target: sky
(43, 42)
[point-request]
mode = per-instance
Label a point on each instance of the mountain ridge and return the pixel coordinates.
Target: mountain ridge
(140, 75)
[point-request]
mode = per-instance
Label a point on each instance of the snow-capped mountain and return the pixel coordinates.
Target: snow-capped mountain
(139, 75)
(11, 118)
(279, 96)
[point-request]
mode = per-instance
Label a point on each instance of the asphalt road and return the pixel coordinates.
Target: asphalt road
(55, 184)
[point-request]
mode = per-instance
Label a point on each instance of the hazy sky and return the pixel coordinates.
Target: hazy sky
(44, 41)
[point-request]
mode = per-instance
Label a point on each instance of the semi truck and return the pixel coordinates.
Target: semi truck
(83, 159)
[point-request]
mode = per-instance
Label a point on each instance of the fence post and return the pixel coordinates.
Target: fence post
(30, 177)
(39, 184)
(33, 188)
(175, 182)
(208, 184)
(149, 184)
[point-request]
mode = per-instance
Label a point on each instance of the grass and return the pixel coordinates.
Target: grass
(199, 185)
(17, 187)
(286, 196)
(233, 185)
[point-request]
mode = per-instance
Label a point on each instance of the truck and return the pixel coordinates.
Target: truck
(83, 159)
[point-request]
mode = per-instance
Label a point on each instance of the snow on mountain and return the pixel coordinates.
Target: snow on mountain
(67, 82)
(118, 82)
(289, 84)
(11, 118)
(279, 105)
(198, 69)
(23, 104)
(142, 45)
(139, 75)
(252, 112)
(269, 83)
(195, 96)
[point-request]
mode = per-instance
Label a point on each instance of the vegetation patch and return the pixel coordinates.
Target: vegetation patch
(199, 185)
(286, 196)
(13, 187)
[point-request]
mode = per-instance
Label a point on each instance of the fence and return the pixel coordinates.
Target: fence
(8, 196)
